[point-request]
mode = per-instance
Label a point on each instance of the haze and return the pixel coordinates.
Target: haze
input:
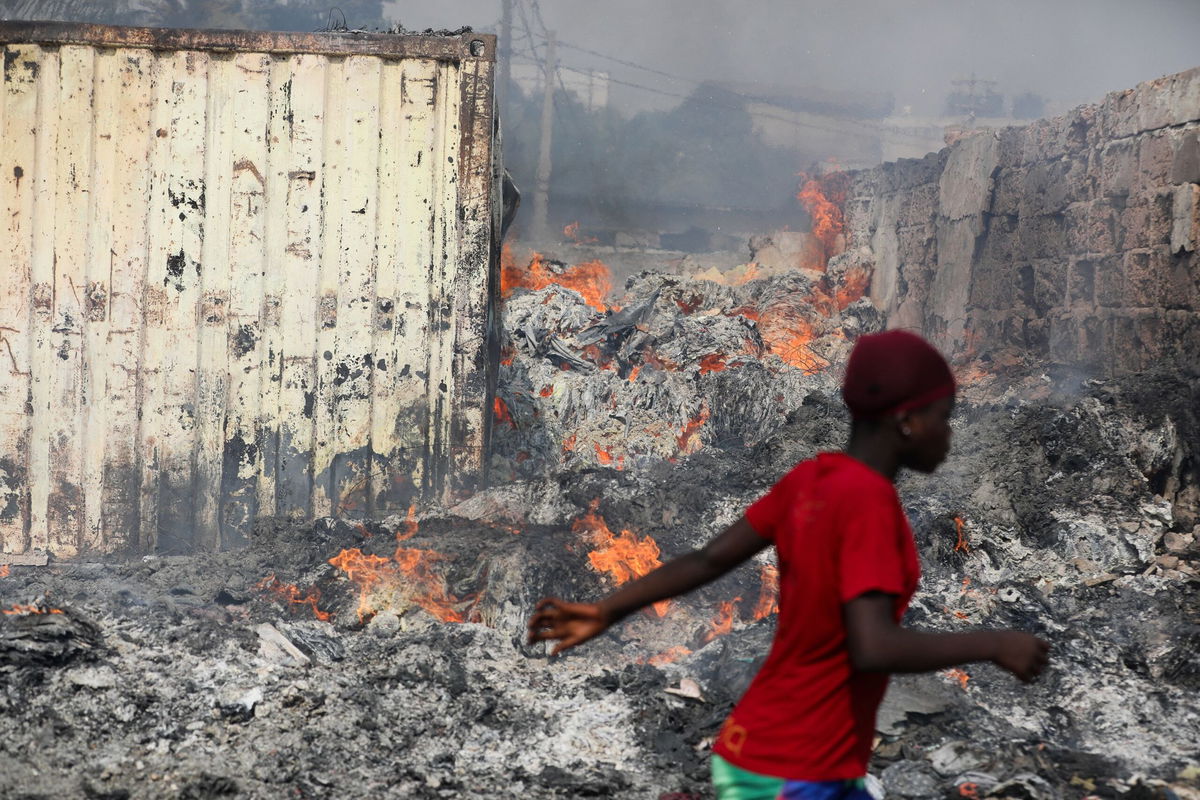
(1070, 51)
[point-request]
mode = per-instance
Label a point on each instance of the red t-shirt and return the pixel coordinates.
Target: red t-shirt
(839, 531)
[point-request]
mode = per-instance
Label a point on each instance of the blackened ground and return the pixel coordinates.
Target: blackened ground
(1076, 500)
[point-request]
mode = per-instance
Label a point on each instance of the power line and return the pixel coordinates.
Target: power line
(529, 33)
(866, 128)
(630, 64)
(870, 126)
(537, 12)
(708, 101)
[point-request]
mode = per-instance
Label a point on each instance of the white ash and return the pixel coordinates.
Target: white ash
(156, 682)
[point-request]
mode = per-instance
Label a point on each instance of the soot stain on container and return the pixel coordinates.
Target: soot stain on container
(175, 267)
(244, 341)
(12, 478)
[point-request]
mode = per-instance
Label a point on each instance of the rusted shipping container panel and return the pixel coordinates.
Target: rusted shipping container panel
(243, 274)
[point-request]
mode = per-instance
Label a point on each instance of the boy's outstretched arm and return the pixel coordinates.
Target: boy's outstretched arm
(574, 623)
(878, 644)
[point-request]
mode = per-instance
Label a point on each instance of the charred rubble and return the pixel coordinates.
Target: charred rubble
(385, 658)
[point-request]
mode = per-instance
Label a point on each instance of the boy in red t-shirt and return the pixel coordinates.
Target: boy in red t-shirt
(848, 568)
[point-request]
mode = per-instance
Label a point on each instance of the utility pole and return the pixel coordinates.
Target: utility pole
(504, 74)
(541, 195)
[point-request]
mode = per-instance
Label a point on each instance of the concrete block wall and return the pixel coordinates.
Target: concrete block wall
(1073, 239)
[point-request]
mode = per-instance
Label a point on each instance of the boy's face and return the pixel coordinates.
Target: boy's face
(929, 435)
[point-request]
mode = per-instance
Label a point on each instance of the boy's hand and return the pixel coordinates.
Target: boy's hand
(568, 623)
(1022, 654)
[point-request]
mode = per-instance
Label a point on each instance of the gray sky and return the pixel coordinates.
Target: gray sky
(1071, 51)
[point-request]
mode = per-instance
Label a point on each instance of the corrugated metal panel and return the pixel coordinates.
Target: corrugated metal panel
(244, 274)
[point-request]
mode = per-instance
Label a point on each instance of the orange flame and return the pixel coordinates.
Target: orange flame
(592, 280)
(546, 391)
(408, 571)
(597, 356)
(292, 595)
(569, 443)
(961, 545)
(788, 335)
(768, 595)
(956, 614)
(669, 656)
(690, 429)
(973, 373)
(691, 304)
(571, 232)
(365, 571)
(19, 609)
(854, 285)
(633, 373)
(723, 622)
(624, 557)
(957, 675)
(602, 455)
(414, 564)
(651, 358)
(504, 526)
(752, 273)
(500, 410)
(5, 570)
(823, 198)
(410, 525)
(713, 362)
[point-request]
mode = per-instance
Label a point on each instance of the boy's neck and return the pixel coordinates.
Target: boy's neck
(876, 452)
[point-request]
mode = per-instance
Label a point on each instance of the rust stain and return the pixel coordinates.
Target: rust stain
(247, 164)
(327, 313)
(297, 249)
(74, 290)
(272, 310)
(213, 307)
(43, 297)
(96, 308)
(156, 304)
(441, 48)
(15, 369)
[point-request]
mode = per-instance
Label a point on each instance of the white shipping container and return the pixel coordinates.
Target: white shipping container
(241, 274)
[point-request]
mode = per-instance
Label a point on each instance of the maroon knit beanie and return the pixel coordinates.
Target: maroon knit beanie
(894, 371)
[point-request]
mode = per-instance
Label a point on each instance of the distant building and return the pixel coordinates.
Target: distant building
(852, 130)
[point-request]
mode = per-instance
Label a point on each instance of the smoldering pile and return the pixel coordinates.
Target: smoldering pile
(384, 658)
(675, 364)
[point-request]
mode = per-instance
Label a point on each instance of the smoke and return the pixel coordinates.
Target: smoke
(1072, 51)
(696, 127)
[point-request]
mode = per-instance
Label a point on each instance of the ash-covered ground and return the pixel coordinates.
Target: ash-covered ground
(1068, 507)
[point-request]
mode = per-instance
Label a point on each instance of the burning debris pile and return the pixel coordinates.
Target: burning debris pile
(672, 365)
(384, 658)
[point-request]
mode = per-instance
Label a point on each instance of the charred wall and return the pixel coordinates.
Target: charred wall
(1072, 240)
